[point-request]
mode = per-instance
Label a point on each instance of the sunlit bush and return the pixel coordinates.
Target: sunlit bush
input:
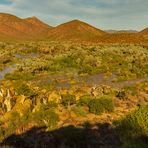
(133, 129)
(101, 105)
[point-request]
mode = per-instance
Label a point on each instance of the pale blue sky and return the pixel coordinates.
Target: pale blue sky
(104, 14)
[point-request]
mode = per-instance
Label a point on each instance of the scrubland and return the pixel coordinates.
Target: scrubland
(59, 94)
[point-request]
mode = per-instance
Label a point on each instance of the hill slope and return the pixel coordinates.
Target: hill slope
(35, 21)
(75, 30)
(133, 38)
(144, 32)
(14, 27)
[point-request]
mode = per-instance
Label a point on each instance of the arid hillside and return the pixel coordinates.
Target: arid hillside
(14, 27)
(122, 38)
(144, 31)
(75, 30)
(36, 22)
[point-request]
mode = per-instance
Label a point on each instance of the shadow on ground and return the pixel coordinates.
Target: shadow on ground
(86, 136)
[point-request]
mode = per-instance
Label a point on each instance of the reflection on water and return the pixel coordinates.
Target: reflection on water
(11, 68)
(7, 70)
(22, 56)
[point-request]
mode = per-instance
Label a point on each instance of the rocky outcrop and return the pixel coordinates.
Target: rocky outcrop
(6, 98)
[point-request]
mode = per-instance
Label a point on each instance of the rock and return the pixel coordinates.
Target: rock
(101, 90)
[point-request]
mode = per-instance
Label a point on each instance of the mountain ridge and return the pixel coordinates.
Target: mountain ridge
(13, 27)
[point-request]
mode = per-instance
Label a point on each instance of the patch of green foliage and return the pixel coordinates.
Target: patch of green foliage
(19, 76)
(79, 110)
(84, 100)
(101, 105)
(15, 122)
(121, 94)
(67, 100)
(46, 116)
(133, 129)
(23, 89)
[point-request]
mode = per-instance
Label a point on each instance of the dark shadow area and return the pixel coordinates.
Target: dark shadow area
(85, 136)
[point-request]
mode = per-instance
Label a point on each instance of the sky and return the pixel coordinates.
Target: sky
(104, 14)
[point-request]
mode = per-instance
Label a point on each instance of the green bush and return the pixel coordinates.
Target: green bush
(107, 103)
(19, 76)
(96, 107)
(24, 89)
(46, 118)
(84, 100)
(121, 95)
(103, 104)
(13, 124)
(79, 110)
(133, 129)
(67, 100)
(133, 90)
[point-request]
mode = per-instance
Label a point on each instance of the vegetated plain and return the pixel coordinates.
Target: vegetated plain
(74, 89)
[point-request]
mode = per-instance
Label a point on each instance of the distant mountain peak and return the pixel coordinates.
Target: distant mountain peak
(75, 21)
(35, 21)
(33, 18)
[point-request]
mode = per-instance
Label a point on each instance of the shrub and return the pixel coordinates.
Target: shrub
(133, 129)
(103, 104)
(96, 107)
(121, 95)
(46, 118)
(107, 103)
(84, 100)
(19, 76)
(24, 89)
(67, 100)
(79, 110)
(133, 90)
(13, 124)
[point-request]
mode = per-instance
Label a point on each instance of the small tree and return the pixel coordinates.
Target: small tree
(67, 100)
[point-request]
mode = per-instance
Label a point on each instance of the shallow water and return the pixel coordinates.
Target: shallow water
(7, 70)
(24, 56)
(99, 79)
(63, 80)
(11, 68)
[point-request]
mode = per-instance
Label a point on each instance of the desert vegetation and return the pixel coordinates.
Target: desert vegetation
(84, 95)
